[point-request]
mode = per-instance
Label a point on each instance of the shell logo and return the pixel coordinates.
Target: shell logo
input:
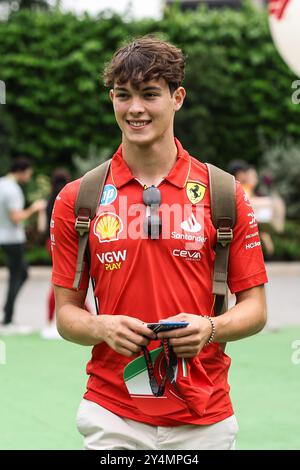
(108, 227)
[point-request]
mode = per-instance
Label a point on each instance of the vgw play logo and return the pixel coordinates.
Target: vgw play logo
(2, 92)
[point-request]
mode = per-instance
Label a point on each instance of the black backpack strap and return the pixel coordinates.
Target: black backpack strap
(223, 212)
(87, 201)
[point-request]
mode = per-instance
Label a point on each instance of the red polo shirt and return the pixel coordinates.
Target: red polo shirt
(155, 279)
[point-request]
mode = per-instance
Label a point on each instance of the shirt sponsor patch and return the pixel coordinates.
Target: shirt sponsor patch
(108, 227)
(109, 194)
(191, 224)
(251, 235)
(195, 191)
(190, 255)
(250, 246)
(112, 260)
(189, 238)
(252, 221)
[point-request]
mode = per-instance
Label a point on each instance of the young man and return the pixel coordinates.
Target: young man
(142, 278)
(13, 238)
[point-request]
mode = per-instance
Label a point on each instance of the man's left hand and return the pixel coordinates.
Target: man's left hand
(188, 341)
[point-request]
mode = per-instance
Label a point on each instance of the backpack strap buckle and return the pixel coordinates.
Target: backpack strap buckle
(224, 235)
(224, 231)
(83, 221)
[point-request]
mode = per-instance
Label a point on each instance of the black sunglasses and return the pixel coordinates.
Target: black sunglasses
(152, 222)
(170, 364)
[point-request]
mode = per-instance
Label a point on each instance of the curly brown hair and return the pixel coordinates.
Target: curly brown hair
(144, 59)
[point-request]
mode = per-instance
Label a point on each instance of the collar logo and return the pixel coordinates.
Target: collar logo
(195, 191)
(108, 227)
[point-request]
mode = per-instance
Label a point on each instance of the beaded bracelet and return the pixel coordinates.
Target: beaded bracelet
(213, 329)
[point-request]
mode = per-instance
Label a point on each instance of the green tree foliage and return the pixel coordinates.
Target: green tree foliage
(239, 89)
(51, 65)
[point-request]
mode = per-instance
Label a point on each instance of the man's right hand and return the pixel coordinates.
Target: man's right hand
(125, 335)
(18, 216)
(38, 205)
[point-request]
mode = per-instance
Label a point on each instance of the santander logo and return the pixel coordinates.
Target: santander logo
(191, 224)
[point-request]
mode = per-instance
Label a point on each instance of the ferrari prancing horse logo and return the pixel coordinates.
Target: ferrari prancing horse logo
(195, 191)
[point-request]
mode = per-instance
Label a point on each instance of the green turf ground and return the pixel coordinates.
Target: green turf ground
(43, 381)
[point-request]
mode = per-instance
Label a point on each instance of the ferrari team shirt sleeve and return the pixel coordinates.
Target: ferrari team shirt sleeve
(246, 267)
(64, 239)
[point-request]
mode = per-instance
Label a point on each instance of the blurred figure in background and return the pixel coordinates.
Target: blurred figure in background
(269, 210)
(245, 174)
(13, 237)
(60, 178)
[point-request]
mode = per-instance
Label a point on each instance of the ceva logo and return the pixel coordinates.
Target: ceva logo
(191, 255)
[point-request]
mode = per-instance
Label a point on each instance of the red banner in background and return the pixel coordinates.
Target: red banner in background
(277, 8)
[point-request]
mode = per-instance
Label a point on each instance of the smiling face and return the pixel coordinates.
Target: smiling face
(146, 114)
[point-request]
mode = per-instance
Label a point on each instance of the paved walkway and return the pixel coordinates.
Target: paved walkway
(282, 295)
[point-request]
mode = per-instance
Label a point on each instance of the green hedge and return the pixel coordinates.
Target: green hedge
(51, 64)
(286, 245)
(239, 89)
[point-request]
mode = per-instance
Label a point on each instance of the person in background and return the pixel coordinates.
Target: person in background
(60, 178)
(13, 237)
(269, 210)
(245, 174)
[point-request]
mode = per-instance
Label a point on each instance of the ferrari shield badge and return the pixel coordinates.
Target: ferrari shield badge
(195, 191)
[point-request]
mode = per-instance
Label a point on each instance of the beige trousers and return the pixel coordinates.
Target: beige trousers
(103, 430)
